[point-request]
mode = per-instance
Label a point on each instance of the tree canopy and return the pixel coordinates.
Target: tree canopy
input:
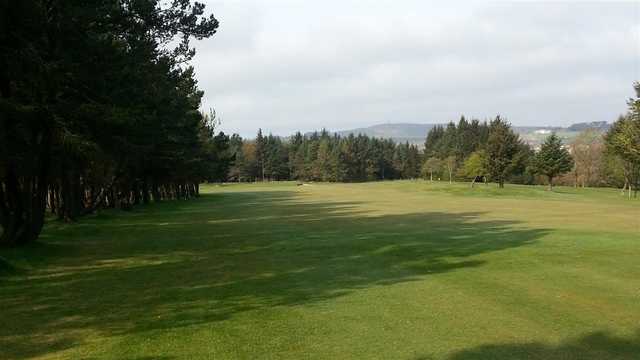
(623, 141)
(99, 108)
(320, 156)
(553, 159)
(503, 146)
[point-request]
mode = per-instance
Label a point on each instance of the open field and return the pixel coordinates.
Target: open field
(393, 270)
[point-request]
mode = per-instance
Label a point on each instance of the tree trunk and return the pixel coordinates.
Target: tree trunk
(22, 206)
(550, 183)
(52, 200)
(70, 199)
(624, 187)
(23, 198)
(154, 191)
(136, 192)
(145, 191)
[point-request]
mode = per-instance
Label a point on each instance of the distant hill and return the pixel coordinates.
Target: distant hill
(597, 125)
(416, 133)
(392, 130)
(400, 132)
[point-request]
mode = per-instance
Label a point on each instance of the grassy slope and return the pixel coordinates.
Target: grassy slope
(396, 270)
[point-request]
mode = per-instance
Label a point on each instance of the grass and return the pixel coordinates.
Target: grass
(393, 270)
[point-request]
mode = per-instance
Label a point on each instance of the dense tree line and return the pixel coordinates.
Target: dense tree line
(492, 151)
(321, 156)
(466, 150)
(458, 140)
(477, 150)
(609, 160)
(99, 109)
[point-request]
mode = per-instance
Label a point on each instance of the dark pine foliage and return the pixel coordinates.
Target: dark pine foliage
(504, 151)
(321, 156)
(623, 143)
(553, 160)
(98, 109)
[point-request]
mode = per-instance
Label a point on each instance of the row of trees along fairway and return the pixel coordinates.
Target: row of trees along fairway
(98, 108)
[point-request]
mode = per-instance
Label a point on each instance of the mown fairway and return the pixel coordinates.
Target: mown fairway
(397, 270)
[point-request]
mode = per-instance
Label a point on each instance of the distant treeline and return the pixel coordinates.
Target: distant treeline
(467, 150)
(98, 109)
(321, 156)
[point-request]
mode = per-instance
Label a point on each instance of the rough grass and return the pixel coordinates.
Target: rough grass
(394, 270)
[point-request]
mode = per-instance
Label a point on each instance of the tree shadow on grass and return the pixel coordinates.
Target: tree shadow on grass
(186, 263)
(594, 346)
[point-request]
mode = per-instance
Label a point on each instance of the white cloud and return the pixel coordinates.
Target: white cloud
(298, 65)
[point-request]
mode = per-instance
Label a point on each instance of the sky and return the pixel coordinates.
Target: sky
(287, 66)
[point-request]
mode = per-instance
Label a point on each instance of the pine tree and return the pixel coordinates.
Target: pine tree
(553, 159)
(502, 146)
(623, 141)
(322, 164)
(261, 153)
(433, 140)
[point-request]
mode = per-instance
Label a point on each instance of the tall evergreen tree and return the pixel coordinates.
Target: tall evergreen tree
(553, 159)
(502, 146)
(261, 153)
(623, 141)
(433, 140)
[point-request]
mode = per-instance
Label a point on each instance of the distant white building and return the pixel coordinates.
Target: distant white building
(543, 131)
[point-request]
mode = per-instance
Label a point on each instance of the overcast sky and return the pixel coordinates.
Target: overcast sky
(304, 65)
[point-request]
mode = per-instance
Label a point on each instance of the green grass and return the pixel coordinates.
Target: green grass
(393, 270)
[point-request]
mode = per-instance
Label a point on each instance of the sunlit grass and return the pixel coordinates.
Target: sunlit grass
(389, 270)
